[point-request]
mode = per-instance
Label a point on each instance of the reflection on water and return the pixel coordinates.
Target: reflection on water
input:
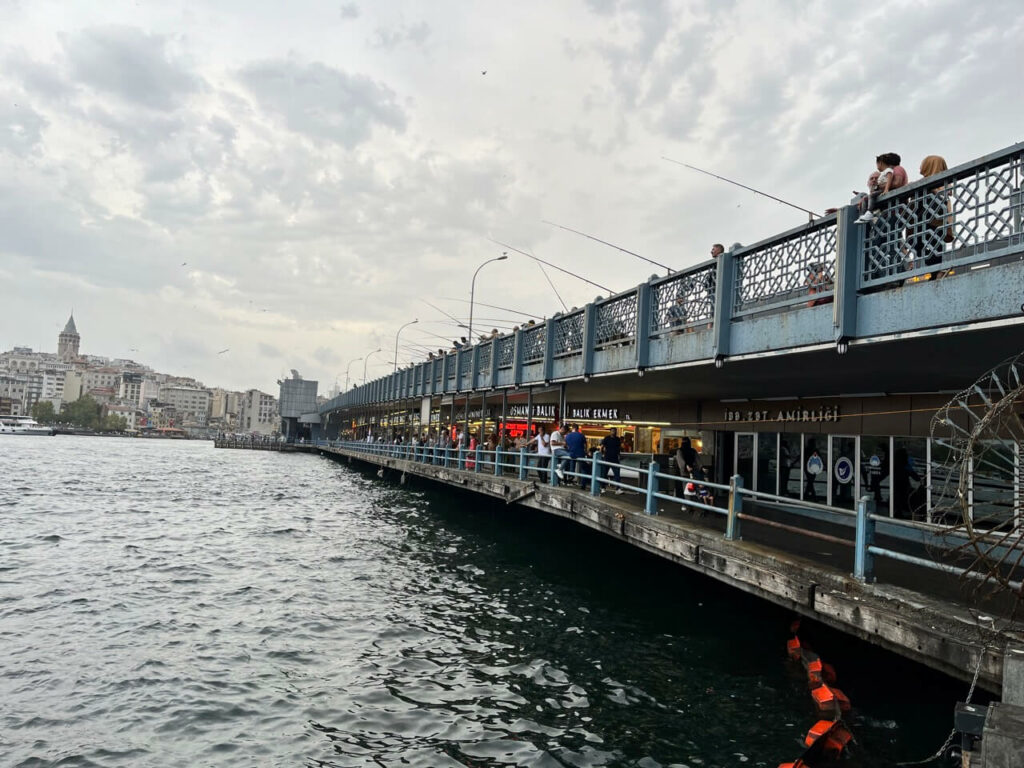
(164, 603)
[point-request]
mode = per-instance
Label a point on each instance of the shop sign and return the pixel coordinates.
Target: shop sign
(797, 415)
(591, 413)
(540, 411)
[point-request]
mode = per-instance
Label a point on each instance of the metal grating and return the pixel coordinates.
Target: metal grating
(787, 270)
(506, 345)
(684, 300)
(616, 321)
(534, 342)
(569, 335)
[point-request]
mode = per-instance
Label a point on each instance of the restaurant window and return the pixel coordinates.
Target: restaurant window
(790, 462)
(744, 463)
(815, 469)
(767, 462)
(875, 471)
(909, 478)
(844, 471)
(993, 479)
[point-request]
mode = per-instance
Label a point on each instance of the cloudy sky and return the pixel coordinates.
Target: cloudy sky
(294, 181)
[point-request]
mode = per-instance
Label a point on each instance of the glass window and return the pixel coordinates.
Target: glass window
(789, 465)
(993, 496)
(909, 478)
(745, 458)
(874, 471)
(844, 471)
(767, 463)
(815, 468)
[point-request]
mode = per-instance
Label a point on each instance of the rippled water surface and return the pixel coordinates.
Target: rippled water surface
(164, 603)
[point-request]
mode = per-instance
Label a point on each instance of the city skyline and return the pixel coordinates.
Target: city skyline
(290, 186)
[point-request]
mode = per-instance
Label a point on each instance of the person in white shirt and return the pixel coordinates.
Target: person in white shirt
(542, 445)
(558, 451)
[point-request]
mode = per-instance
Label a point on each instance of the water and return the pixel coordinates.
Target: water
(168, 604)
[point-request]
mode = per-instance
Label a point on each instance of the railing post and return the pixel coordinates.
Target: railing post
(553, 477)
(725, 292)
(522, 463)
(643, 326)
(548, 366)
(589, 336)
(651, 503)
(849, 245)
(476, 460)
(517, 358)
(461, 461)
(732, 521)
(497, 456)
(595, 465)
(863, 560)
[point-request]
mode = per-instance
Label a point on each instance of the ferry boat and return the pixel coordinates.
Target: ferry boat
(23, 425)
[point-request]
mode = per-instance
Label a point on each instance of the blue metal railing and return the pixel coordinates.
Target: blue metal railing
(949, 223)
(595, 475)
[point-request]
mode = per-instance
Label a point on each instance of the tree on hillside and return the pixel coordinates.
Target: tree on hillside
(114, 423)
(84, 413)
(42, 411)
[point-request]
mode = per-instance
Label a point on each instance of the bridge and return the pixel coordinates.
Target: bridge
(886, 308)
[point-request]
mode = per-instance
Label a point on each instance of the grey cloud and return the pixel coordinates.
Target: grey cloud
(268, 350)
(21, 127)
(323, 102)
(389, 39)
(41, 80)
(349, 11)
(130, 64)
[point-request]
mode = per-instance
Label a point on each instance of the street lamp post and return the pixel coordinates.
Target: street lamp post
(472, 296)
(411, 322)
(366, 360)
(348, 368)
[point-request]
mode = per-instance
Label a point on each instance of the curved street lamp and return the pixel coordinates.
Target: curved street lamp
(472, 289)
(411, 322)
(348, 368)
(366, 360)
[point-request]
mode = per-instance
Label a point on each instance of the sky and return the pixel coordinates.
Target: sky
(294, 182)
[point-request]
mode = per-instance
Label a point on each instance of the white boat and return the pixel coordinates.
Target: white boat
(23, 425)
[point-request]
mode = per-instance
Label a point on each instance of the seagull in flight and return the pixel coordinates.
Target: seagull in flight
(224, 350)
(184, 263)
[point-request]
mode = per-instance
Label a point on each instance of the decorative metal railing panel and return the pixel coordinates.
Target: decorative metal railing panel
(568, 335)
(616, 321)
(484, 364)
(506, 348)
(787, 269)
(952, 218)
(684, 300)
(465, 365)
(534, 342)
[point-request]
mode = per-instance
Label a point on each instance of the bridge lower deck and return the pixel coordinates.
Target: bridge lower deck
(915, 616)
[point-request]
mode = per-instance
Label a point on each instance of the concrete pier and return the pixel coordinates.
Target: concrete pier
(934, 631)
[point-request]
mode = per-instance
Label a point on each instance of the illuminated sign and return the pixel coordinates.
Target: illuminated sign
(592, 413)
(540, 411)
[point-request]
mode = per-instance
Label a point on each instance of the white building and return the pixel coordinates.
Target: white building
(258, 413)
(192, 405)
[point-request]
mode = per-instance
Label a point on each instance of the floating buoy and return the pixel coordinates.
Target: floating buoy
(793, 648)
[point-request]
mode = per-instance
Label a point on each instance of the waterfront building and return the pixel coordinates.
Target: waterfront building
(191, 404)
(258, 413)
(298, 397)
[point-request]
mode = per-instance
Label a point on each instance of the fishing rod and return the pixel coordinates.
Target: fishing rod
(610, 245)
(546, 277)
(812, 214)
(450, 317)
(494, 306)
(553, 266)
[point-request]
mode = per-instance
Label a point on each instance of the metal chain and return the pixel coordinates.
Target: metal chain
(952, 733)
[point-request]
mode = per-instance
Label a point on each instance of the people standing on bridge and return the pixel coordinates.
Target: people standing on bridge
(542, 447)
(576, 444)
(611, 446)
(558, 453)
(934, 227)
(903, 471)
(889, 176)
(686, 464)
